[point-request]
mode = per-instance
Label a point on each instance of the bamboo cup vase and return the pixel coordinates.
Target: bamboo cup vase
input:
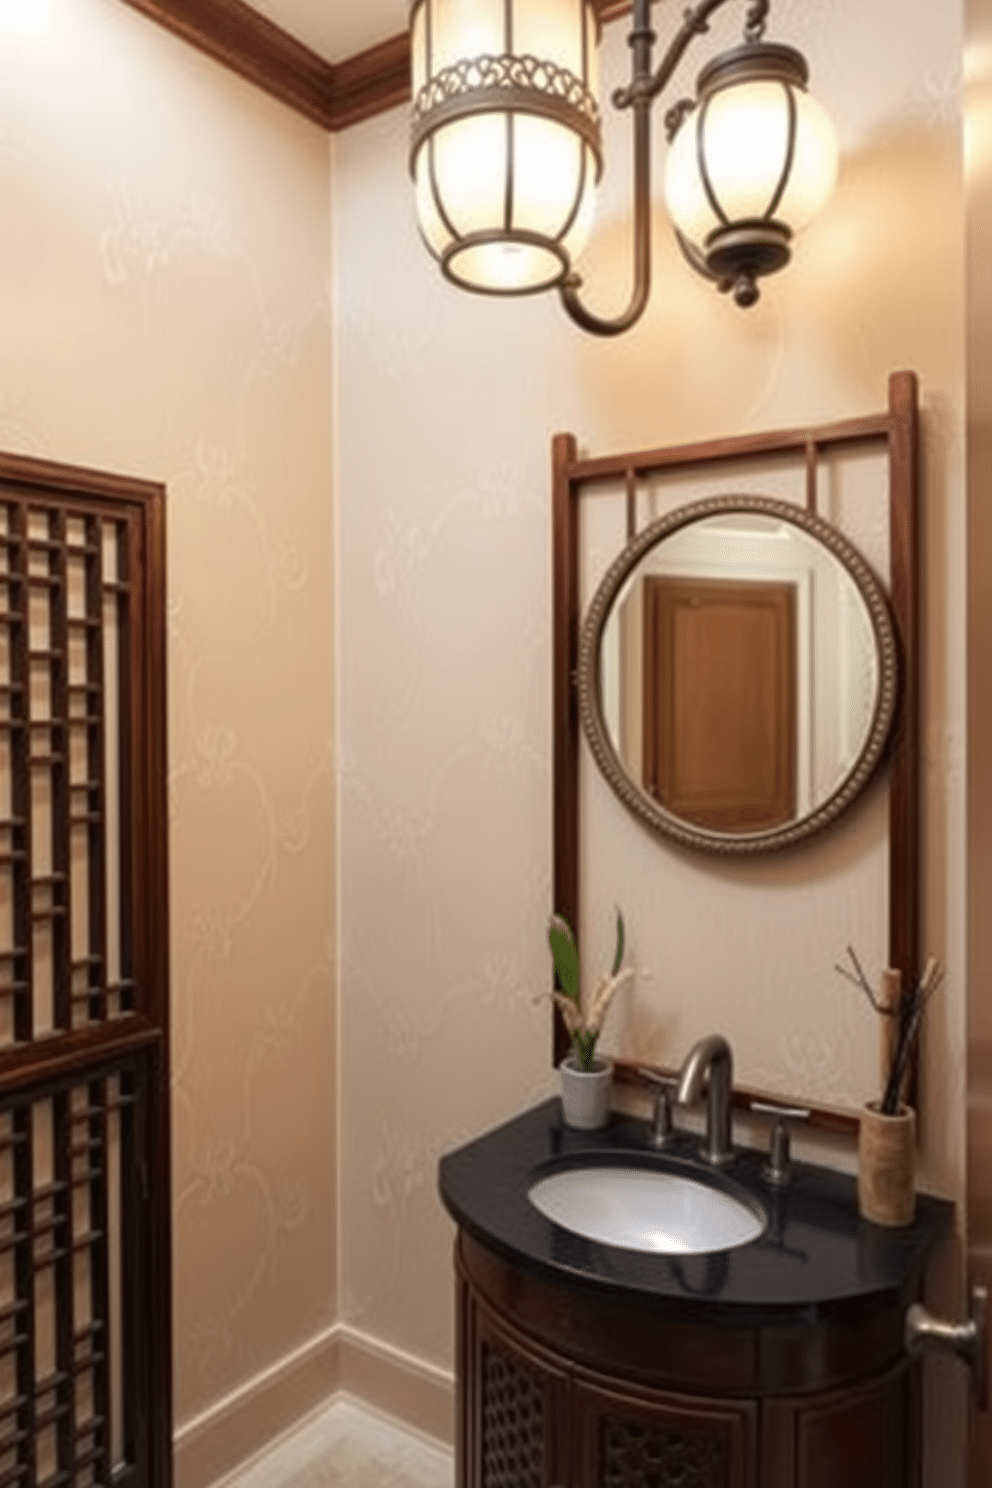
(887, 1166)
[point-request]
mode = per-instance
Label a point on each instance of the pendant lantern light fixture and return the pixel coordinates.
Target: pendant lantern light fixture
(506, 146)
(752, 163)
(506, 152)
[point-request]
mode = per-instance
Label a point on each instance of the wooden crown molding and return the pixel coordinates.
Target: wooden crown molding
(332, 94)
(371, 82)
(253, 47)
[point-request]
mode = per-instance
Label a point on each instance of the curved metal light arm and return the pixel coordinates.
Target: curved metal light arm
(569, 288)
(644, 88)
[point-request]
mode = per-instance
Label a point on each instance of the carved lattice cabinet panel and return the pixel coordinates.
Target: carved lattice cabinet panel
(514, 1434)
(642, 1439)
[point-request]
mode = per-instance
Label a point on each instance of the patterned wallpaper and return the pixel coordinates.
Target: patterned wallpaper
(446, 405)
(177, 301)
(164, 303)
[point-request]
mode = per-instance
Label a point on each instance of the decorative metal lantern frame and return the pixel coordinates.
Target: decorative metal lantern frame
(750, 162)
(505, 148)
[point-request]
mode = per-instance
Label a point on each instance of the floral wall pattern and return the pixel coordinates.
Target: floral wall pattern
(165, 311)
(195, 287)
(446, 407)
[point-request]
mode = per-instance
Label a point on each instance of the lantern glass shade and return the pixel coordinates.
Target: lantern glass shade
(477, 28)
(505, 141)
(742, 132)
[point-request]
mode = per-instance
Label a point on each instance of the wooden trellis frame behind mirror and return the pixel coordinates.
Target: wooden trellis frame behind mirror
(577, 480)
(85, 1308)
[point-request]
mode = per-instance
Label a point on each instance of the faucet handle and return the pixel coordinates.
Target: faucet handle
(776, 1170)
(663, 1130)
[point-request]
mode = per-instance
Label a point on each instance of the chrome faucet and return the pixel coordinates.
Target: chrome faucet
(710, 1060)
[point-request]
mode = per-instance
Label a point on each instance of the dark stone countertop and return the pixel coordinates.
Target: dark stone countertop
(817, 1261)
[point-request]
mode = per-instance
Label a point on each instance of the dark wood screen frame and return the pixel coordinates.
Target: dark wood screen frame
(897, 431)
(131, 1047)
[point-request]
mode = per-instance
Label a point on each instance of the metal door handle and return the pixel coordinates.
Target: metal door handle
(967, 1341)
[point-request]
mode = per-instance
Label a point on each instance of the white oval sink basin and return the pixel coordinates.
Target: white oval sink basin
(645, 1209)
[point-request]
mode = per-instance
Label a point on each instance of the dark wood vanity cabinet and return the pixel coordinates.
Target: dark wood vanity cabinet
(558, 1388)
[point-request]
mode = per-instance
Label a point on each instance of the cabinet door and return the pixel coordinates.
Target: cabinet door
(627, 1438)
(516, 1431)
(866, 1436)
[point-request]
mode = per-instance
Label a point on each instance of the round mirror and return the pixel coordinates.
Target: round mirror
(737, 674)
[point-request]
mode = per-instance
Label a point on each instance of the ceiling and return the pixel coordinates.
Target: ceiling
(336, 29)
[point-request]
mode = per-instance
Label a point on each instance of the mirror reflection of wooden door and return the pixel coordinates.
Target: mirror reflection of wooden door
(720, 700)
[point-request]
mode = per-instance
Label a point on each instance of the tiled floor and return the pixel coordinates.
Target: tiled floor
(347, 1447)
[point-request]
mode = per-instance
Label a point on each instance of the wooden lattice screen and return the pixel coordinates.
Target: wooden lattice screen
(85, 1357)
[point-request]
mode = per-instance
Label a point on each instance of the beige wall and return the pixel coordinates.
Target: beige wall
(446, 406)
(164, 311)
(166, 244)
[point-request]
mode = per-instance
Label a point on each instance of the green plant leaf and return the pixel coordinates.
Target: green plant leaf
(565, 955)
(621, 939)
(584, 1044)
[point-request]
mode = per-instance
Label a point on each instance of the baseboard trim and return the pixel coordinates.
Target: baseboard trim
(342, 1359)
(254, 1416)
(397, 1384)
